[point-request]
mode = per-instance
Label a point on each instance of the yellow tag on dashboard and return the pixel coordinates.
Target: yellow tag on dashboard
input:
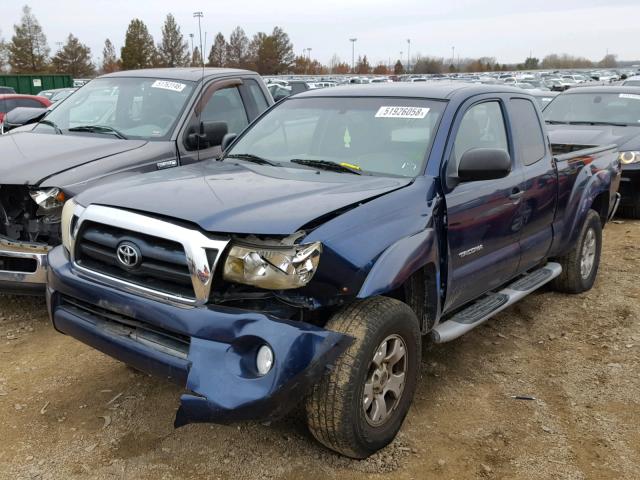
(351, 166)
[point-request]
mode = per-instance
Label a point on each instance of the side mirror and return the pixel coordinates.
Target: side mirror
(20, 116)
(228, 140)
(211, 135)
(484, 164)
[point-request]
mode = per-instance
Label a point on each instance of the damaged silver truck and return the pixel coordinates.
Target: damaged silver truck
(117, 126)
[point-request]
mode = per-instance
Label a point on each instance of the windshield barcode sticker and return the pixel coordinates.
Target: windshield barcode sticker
(633, 96)
(402, 112)
(165, 85)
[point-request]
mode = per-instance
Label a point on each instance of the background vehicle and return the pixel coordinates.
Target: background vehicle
(632, 81)
(337, 230)
(10, 101)
(279, 92)
(603, 114)
(116, 126)
(543, 97)
(57, 94)
(5, 90)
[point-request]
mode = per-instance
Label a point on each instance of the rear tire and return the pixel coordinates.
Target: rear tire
(580, 264)
(359, 405)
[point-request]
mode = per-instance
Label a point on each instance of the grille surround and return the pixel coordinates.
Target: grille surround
(201, 253)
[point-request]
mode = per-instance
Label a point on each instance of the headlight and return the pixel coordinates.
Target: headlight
(273, 268)
(70, 213)
(49, 198)
(628, 158)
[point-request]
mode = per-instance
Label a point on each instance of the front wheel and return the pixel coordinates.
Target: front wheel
(358, 407)
(580, 264)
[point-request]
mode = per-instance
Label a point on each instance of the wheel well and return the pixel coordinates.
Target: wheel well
(419, 291)
(601, 205)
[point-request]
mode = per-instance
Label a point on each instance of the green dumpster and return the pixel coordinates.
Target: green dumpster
(34, 83)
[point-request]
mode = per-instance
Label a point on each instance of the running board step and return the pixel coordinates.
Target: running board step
(488, 306)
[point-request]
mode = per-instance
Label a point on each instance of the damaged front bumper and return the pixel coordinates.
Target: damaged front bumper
(23, 267)
(211, 349)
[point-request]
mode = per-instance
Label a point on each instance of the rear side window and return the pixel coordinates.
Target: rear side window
(481, 127)
(529, 139)
(226, 106)
(258, 96)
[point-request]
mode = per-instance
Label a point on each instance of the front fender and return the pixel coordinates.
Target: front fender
(401, 260)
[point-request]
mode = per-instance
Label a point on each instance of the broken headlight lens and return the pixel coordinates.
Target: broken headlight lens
(273, 268)
(49, 198)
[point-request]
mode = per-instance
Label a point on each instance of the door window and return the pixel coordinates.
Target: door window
(226, 106)
(481, 127)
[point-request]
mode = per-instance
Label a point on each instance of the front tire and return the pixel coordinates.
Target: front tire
(580, 264)
(359, 405)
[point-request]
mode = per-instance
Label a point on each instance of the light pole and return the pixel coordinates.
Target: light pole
(191, 37)
(353, 54)
(199, 15)
(408, 55)
(453, 55)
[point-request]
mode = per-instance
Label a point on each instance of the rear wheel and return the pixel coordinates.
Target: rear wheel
(358, 407)
(580, 264)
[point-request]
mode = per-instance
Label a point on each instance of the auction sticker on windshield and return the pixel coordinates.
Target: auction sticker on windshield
(402, 112)
(166, 85)
(634, 96)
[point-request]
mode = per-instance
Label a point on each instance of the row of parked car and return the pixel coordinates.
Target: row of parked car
(264, 255)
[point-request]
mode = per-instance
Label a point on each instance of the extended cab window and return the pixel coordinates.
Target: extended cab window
(226, 106)
(481, 127)
(527, 131)
(258, 95)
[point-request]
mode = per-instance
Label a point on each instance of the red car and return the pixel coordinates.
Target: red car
(10, 101)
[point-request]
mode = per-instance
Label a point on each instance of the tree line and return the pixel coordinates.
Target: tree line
(267, 53)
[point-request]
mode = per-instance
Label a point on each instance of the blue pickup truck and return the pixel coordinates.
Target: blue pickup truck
(335, 233)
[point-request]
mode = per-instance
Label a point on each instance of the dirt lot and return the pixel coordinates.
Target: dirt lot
(67, 411)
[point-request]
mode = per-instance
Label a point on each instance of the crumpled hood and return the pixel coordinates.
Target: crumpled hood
(28, 158)
(230, 198)
(626, 138)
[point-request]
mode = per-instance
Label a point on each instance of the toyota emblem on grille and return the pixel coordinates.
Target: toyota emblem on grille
(129, 255)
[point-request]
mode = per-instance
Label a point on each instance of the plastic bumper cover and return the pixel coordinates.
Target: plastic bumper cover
(218, 364)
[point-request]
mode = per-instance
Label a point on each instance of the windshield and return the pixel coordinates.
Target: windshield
(622, 108)
(387, 136)
(139, 108)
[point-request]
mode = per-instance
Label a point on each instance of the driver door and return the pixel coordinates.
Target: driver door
(483, 216)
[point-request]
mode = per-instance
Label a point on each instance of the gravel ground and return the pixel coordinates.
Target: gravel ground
(67, 411)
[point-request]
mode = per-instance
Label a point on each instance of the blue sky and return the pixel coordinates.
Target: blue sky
(507, 30)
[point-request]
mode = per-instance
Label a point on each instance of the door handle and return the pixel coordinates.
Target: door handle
(516, 194)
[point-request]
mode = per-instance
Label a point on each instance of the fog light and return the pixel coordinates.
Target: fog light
(264, 359)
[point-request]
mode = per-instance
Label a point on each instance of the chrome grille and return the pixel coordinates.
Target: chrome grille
(176, 264)
(163, 264)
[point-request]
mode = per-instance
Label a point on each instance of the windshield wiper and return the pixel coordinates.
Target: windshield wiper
(99, 129)
(328, 165)
(613, 124)
(249, 157)
(52, 125)
(556, 122)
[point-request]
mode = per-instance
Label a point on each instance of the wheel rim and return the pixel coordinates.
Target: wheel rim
(385, 380)
(588, 257)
